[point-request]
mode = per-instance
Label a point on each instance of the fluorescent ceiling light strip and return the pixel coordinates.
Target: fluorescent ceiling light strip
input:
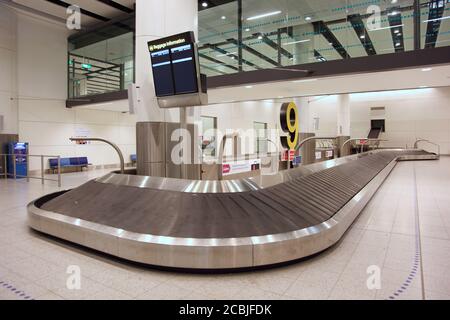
(294, 42)
(437, 19)
(304, 80)
(384, 28)
(263, 15)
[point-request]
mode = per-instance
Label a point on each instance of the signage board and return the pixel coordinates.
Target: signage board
(175, 65)
(236, 167)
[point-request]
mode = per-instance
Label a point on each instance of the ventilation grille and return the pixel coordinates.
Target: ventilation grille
(378, 112)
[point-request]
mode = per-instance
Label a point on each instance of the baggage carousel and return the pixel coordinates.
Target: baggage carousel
(218, 224)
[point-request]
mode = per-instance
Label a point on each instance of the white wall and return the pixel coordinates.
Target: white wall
(33, 62)
(241, 116)
(410, 114)
(8, 53)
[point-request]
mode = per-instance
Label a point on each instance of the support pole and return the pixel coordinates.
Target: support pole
(42, 170)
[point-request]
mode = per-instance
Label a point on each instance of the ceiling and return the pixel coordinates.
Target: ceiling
(93, 11)
(312, 31)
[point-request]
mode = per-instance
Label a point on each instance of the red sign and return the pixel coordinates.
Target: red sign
(288, 155)
(291, 155)
(226, 168)
(363, 142)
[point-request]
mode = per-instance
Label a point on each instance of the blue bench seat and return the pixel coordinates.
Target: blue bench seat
(75, 162)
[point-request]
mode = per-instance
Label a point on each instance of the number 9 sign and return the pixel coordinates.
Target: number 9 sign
(290, 125)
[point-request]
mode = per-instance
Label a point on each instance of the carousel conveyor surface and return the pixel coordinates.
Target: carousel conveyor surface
(218, 225)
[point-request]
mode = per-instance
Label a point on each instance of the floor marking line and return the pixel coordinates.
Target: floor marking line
(418, 233)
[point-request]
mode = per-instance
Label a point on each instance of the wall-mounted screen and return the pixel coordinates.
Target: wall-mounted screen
(174, 64)
(184, 69)
(162, 73)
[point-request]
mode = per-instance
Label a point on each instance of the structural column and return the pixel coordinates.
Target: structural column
(343, 121)
(156, 19)
(308, 150)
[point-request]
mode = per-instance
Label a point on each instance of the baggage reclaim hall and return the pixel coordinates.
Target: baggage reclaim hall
(225, 149)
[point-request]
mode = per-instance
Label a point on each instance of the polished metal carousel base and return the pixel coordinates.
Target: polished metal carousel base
(218, 224)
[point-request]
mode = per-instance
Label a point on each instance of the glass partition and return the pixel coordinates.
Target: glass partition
(246, 35)
(102, 60)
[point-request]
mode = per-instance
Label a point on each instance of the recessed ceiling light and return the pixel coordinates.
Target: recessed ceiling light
(363, 37)
(308, 18)
(294, 42)
(248, 87)
(426, 69)
(204, 4)
(260, 37)
(247, 29)
(223, 17)
(264, 15)
(394, 1)
(397, 44)
(396, 31)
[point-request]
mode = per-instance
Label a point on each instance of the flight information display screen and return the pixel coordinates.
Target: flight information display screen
(184, 69)
(174, 65)
(162, 73)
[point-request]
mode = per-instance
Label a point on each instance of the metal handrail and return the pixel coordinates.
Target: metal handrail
(359, 139)
(416, 144)
(28, 177)
(119, 152)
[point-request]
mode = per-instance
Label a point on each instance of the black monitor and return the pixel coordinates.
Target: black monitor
(175, 65)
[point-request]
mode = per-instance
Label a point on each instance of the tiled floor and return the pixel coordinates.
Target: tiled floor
(33, 266)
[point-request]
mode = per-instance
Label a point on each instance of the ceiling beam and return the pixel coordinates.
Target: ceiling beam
(321, 28)
(116, 5)
(361, 32)
(223, 51)
(395, 22)
(206, 57)
(83, 11)
(273, 45)
(436, 11)
(254, 52)
(319, 57)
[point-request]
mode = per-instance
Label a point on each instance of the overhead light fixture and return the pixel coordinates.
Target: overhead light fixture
(396, 31)
(223, 17)
(384, 28)
(304, 80)
(437, 19)
(393, 13)
(426, 69)
(294, 42)
(204, 4)
(247, 29)
(248, 87)
(264, 15)
(363, 37)
(260, 37)
(398, 44)
(394, 1)
(308, 18)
